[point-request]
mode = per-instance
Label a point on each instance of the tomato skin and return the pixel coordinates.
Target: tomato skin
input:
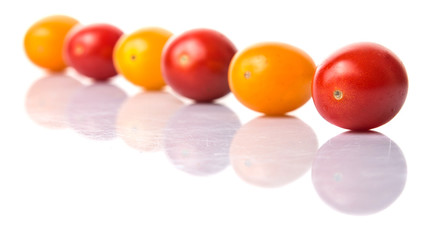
(89, 50)
(360, 87)
(138, 57)
(272, 78)
(195, 64)
(44, 40)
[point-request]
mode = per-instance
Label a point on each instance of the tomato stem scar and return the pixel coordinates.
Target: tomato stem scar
(247, 74)
(133, 57)
(184, 59)
(79, 50)
(337, 94)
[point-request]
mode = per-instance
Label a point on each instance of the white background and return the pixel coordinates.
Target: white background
(56, 184)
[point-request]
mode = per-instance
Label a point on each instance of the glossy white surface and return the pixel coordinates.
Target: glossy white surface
(107, 161)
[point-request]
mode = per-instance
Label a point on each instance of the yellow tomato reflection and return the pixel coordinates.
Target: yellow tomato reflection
(48, 98)
(142, 119)
(273, 151)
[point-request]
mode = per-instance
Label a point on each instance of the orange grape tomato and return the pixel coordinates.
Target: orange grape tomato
(138, 57)
(44, 41)
(272, 78)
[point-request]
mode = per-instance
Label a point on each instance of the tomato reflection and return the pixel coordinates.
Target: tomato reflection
(359, 173)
